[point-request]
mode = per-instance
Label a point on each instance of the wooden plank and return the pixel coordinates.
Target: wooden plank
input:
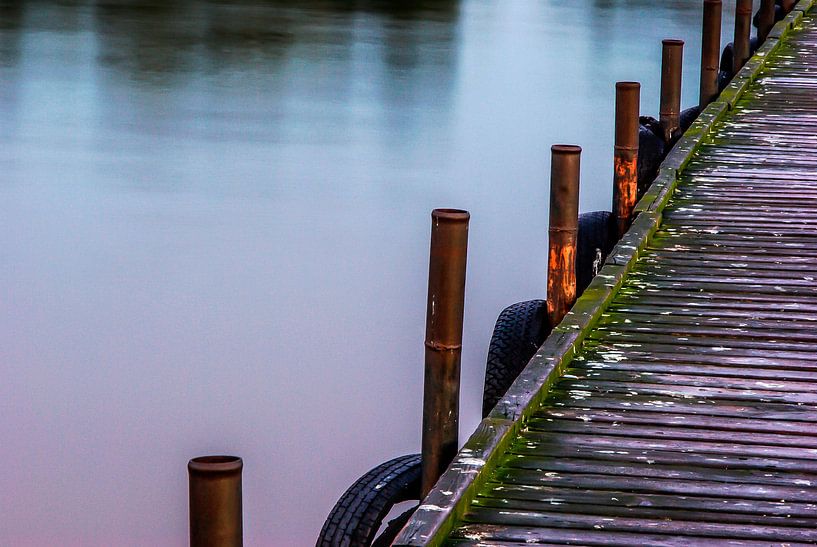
(706, 343)
(799, 494)
(709, 190)
(670, 309)
(621, 349)
(745, 230)
(605, 501)
(675, 378)
(766, 227)
(781, 254)
(758, 265)
(748, 290)
(582, 368)
(733, 231)
(670, 432)
(713, 236)
(628, 444)
(777, 412)
(671, 417)
(639, 319)
(692, 328)
(722, 148)
(692, 298)
(735, 241)
(577, 388)
(483, 534)
(553, 467)
(801, 284)
(640, 525)
(576, 448)
(757, 173)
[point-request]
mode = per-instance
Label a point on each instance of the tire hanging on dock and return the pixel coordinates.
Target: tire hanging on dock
(359, 513)
(519, 331)
(651, 152)
(522, 327)
(595, 240)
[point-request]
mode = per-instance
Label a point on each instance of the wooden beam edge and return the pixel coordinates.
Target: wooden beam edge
(447, 502)
(749, 72)
(804, 5)
(782, 27)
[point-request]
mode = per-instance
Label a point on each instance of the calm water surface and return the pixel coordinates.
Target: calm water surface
(214, 222)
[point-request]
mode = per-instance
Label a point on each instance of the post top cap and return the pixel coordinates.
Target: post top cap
(215, 464)
(450, 214)
(566, 149)
(672, 42)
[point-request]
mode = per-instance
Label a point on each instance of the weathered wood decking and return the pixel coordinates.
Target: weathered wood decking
(677, 404)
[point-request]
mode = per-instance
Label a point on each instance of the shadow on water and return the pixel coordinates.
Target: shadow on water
(11, 16)
(397, 57)
(155, 150)
(164, 42)
(213, 223)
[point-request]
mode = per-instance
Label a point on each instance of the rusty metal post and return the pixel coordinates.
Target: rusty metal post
(443, 345)
(788, 5)
(215, 501)
(710, 52)
(743, 34)
(625, 155)
(765, 19)
(672, 56)
(563, 231)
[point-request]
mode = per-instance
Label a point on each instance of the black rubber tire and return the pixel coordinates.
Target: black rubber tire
(724, 78)
(519, 331)
(651, 150)
(595, 240)
(779, 14)
(729, 53)
(727, 57)
(358, 514)
(393, 528)
(688, 116)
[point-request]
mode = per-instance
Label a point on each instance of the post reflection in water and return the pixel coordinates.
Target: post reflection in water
(213, 231)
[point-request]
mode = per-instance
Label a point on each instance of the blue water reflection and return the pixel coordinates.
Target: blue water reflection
(214, 222)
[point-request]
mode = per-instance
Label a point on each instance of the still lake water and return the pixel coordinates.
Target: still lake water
(214, 222)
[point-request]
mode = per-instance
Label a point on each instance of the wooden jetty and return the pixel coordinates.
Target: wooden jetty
(676, 404)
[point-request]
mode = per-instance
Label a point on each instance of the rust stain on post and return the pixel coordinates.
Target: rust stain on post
(215, 501)
(765, 19)
(710, 51)
(625, 157)
(672, 56)
(563, 231)
(743, 34)
(443, 344)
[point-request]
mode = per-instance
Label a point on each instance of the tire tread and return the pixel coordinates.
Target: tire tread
(356, 517)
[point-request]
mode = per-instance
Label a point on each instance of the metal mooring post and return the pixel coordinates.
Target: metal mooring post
(563, 231)
(443, 345)
(743, 34)
(765, 19)
(788, 5)
(672, 56)
(710, 51)
(215, 501)
(625, 155)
